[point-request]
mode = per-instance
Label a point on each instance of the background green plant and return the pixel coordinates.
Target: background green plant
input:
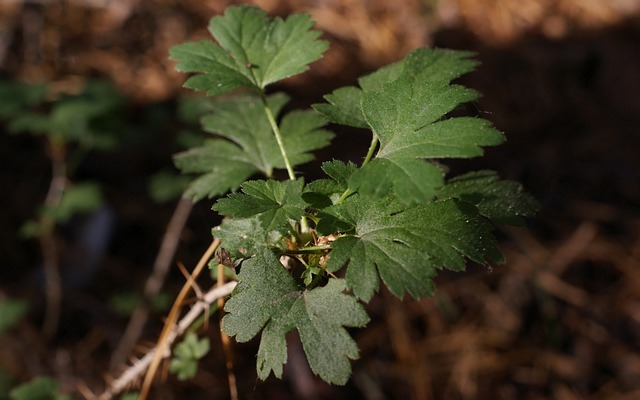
(39, 388)
(72, 125)
(187, 354)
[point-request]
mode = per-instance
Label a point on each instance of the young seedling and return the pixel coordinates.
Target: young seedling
(308, 254)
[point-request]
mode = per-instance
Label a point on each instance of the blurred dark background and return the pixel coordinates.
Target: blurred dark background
(561, 78)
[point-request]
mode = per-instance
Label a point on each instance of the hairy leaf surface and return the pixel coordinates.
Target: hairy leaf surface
(268, 297)
(275, 202)
(252, 50)
(404, 247)
(322, 193)
(409, 179)
(407, 116)
(344, 105)
(245, 237)
(405, 105)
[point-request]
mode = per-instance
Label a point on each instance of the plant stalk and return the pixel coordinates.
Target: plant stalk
(309, 250)
(367, 158)
(278, 135)
(166, 336)
(371, 151)
(50, 254)
(276, 131)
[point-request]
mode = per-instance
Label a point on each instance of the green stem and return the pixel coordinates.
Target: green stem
(276, 131)
(278, 135)
(367, 158)
(346, 194)
(310, 250)
(372, 149)
(305, 230)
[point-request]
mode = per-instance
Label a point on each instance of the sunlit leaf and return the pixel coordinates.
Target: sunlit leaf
(252, 50)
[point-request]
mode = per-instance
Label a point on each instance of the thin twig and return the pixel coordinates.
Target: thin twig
(137, 369)
(53, 282)
(173, 316)
(155, 281)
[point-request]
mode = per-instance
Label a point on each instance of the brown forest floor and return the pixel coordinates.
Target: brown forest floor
(561, 319)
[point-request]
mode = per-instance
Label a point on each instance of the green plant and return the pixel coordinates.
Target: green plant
(308, 254)
(71, 125)
(11, 312)
(6, 383)
(186, 355)
(39, 388)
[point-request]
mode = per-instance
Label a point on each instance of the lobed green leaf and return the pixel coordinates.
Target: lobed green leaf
(245, 237)
(301, 133)
(268, 297)
(274, 202)
(409, 179)
(344, 105)
(241, 119)
(222, 166)
(89, 118)
(186, 355)
(249, 146)
(405, 105)
(252, 50)
(407, 116)
(405, 247)
(323, 193)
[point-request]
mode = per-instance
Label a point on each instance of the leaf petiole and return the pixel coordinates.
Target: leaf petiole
(278, 135)
(367, 158)
(372, 149)
(310, 250)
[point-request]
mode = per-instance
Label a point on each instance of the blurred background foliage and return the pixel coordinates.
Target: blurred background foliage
(560, 320)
